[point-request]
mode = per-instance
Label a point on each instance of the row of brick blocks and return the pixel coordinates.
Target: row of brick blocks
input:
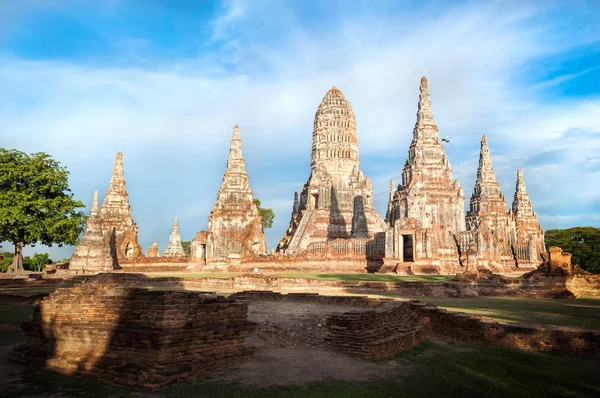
(135, 337)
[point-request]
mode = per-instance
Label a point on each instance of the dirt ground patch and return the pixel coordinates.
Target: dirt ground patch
(290, 350)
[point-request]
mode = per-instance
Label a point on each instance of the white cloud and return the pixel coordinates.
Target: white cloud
(233, 11)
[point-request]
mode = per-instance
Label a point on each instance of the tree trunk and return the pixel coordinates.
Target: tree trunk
(17, 265)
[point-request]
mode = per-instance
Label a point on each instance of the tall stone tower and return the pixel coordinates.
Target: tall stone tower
(488, 216)
(427, 209)
(529, 242)
(234, 224)
(92, 254)
(336, 201)
(118, 227)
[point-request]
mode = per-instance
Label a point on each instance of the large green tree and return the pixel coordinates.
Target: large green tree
(582, 242)
(267, 215)
(36, 204)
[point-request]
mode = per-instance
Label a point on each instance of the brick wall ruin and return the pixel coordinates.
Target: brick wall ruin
(457, 326)
(379, 333)
(135, 337)
(380, 328)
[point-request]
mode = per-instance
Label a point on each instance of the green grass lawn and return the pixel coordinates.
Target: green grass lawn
(373, 277)
(580, 312)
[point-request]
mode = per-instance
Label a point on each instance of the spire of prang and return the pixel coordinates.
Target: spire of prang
(235, 162)
(485, 171)
(116, 195)
(93, 225)
(520, 187)
(425, 109)
(118, 226)
(296, 206)
(235, 176)
(117, 181)
(94, 209)
(335, 138)
(521, 205)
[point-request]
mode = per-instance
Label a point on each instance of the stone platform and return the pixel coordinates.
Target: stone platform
(135, 337)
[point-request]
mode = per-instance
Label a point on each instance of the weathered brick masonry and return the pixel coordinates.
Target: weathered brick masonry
(380, 328)
(378, 333)
(456, 326)
(135, 337)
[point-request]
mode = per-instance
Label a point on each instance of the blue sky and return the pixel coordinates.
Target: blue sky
(165, 81)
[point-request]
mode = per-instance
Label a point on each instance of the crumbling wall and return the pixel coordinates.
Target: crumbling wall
(455, 326)
(584, 285)
(378, 333)
(135, 337)
(266, 282)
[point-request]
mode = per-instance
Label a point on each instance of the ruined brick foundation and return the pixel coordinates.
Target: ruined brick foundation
(379, 333)
(380, 328)
(135, 337)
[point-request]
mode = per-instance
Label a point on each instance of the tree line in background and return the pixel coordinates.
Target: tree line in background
(582, 242)
(36, 263)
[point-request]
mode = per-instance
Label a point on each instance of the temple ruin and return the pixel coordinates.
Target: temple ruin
(333, 217)
(234, 224)
(427, 209)
(488, 223)
(529, 240)
(92, 254)
(337, 200)
(118, 227)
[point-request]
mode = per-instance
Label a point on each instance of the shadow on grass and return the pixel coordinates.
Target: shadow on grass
(478, 370)
(11, 316)
(444, 370)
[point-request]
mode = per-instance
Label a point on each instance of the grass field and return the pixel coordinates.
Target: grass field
(329, 277)
(580, 312)
(440, 370)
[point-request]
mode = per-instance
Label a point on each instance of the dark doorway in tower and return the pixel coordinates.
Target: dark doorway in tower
(314, 200)
(407, 248)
